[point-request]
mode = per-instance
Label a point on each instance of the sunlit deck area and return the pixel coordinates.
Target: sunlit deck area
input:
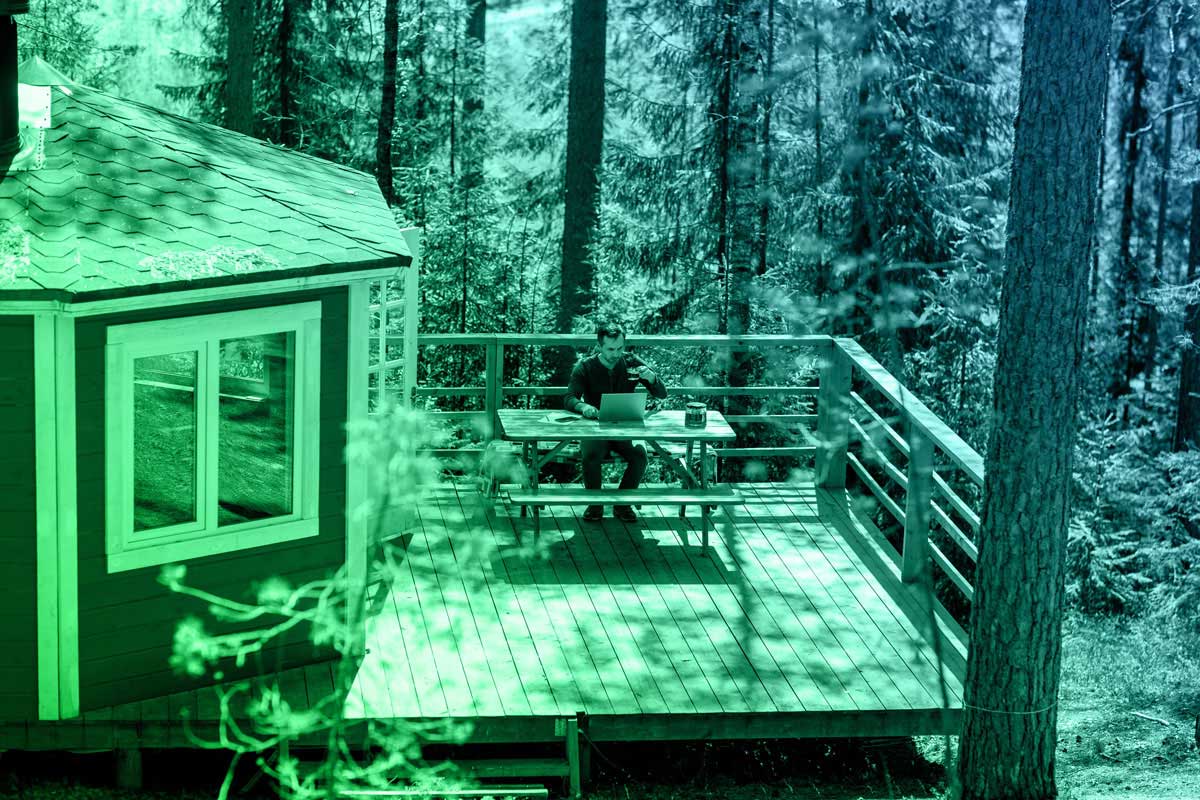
(790, 624)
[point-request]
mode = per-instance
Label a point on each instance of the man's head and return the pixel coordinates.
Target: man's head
(610, 340)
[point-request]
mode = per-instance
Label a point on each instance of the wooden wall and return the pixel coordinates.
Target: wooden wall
(126, 619)
(18, 531)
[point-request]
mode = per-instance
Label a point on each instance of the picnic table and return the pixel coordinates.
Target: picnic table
(557, 428)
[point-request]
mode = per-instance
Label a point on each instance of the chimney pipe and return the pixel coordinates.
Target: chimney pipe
(10, 136)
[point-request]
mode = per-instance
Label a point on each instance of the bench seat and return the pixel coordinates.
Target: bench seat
(559, 495)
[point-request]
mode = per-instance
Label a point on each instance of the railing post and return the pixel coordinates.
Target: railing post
(493, 385)
(917, 506)
(833, 419)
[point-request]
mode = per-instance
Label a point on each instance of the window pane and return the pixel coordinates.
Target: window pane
(164, 440)
(255, 458)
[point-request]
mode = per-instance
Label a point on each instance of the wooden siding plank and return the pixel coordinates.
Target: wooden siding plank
(545, 696)
(471, 554)
(900, 648)
(810, 567)
(609, 605)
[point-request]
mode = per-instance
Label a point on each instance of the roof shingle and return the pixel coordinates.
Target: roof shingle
(130, 197)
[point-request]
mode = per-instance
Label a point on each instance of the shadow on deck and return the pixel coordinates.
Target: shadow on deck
(792, 623)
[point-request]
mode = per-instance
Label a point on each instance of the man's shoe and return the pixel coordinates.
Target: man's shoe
(625, 513)
(593, 514)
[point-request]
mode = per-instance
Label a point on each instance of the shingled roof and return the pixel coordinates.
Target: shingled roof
(133, 200)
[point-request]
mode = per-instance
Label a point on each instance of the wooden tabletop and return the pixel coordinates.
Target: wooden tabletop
(665, 426)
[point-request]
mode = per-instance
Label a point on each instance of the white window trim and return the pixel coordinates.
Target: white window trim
(202, 334)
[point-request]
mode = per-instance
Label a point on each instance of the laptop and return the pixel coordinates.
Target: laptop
(623, 406)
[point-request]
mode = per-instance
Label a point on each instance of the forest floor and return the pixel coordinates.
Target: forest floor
(1127, 713)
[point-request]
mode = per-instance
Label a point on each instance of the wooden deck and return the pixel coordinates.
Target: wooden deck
(787, 626)
(792, 624)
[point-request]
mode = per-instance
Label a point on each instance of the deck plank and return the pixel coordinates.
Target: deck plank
(635, 601)
(594, 660)
(463, 641)
(806, 606)
(472, 553)
(730, 596)
(795, 654)
(699, 619)
(809, 566)
(614, 606)
(533, 673)
(929, 674)
(699, 687)
(911, 672)
(413, 604)
(443, 640)
(572, 682)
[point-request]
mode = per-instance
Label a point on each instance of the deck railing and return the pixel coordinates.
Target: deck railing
(881, 423)
(857, 418)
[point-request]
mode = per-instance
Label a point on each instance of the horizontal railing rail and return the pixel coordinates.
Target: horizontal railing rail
(494, 390)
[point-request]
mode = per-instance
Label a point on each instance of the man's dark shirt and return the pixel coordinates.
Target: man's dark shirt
(590, 379)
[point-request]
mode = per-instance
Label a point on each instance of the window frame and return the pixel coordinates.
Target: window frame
(127, 549)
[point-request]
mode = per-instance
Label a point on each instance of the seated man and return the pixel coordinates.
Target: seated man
(610, 370)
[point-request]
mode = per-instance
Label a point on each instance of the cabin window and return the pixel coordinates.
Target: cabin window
(211, 434)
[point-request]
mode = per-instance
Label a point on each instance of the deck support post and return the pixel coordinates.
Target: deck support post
(917, 507)
(833, 419)
(128, 763)
(573, 759)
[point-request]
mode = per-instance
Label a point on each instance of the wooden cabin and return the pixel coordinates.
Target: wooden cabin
(182, 342)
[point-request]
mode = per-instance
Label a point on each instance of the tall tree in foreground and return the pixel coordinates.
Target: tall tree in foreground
(1007, 747)
(585, 144)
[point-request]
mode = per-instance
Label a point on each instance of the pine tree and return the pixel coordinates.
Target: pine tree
(1007, 747)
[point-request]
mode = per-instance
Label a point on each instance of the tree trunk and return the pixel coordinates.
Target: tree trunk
(289, 77)
(1187, 406)
(239, 66)
(585, 144)
(1128, 273)
(1007, 748)
(387, 105)
(473, 92)
(764, 202)
(1094, 292)
(1164, 167)
(823, 283)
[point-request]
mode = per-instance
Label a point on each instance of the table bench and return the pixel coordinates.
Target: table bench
(707, 498)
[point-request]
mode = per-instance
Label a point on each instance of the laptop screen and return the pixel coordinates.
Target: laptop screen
(623, 407)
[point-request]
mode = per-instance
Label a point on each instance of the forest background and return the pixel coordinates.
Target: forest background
(745, 166)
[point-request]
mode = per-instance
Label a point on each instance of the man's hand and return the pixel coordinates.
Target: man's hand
(647, 374)
(590, 412)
